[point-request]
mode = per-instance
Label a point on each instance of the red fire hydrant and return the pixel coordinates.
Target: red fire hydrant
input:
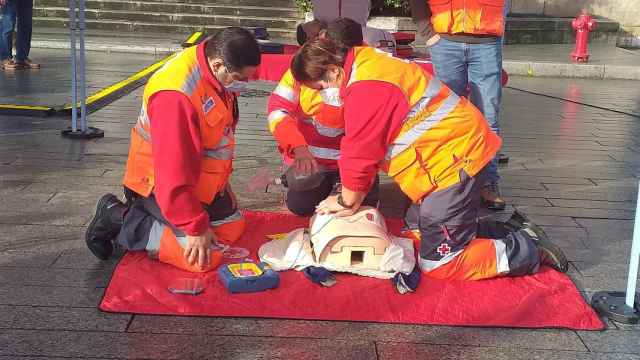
(583, 23)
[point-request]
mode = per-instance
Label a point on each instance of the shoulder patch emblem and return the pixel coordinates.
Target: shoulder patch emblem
(207, 104)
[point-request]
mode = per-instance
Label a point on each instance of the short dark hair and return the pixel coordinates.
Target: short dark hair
(302, 35)
(236, 46)
(345, 32)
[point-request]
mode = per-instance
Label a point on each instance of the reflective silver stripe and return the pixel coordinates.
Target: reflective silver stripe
(352, 77)
(225, 153)
(182, 240)
(224, 141)
(502, 261)
(324, 130)
(191, 81)
(432, 90)
(142, 132)
(154, 236)
(324, 153)
(275, 116)
(229, 219)
(143, 117)
(286, 92)
(428, 265)
(403, 142)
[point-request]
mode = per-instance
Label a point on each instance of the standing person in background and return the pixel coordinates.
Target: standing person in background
(358, 11)
(20, 11)
(464, 39)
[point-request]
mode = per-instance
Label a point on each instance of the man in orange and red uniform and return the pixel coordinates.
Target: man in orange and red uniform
(308, 127)
(464, 39)
(435, 145)
(180, 204)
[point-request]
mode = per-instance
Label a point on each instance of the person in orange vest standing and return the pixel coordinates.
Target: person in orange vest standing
(436, 146)
(180, 205)
(464, 39)
(308, 126)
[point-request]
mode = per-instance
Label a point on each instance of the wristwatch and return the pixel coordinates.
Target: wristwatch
(341, 202)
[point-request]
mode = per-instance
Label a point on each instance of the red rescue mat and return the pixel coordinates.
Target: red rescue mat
(548, 299)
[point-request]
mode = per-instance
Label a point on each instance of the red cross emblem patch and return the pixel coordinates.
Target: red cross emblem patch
(443, 249)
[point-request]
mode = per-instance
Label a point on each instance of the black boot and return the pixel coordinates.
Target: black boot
(105, 226)
(550, 254)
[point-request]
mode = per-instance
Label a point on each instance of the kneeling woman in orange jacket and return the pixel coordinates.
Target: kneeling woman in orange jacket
(180, 159)
(435, 145)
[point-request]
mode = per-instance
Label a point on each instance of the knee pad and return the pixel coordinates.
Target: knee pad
(171, 252)
(229, 229)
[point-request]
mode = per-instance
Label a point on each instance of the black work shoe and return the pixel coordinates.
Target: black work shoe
(503, 159)
(105, 226)
(519, 220)
(491, 197)
(550, 254)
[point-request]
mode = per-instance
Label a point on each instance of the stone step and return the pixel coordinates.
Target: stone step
(522, 29)
(174, 19)
(147, 27)
(237, 3)
(178, 8)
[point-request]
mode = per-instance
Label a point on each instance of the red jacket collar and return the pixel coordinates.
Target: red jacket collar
(205, 69)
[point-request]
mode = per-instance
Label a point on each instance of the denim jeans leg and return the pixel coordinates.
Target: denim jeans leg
(450, 65)
(7, 24)
(485, 71)
(24, 9)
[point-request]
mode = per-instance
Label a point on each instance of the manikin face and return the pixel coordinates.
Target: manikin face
(334, 77)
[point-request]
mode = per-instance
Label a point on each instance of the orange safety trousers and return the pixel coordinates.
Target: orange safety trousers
(476, 262)
(171, 247)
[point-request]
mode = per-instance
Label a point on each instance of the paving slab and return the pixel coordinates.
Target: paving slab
(394, 351)
(54, 296)
(612, 341)
(532, 339)
(51, 84)
(163, 346)
(59, 318)
(54, 277)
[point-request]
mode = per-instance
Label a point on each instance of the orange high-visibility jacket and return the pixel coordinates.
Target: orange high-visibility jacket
(216, 124)
(441, 134)
(298, 116)
(478, 17)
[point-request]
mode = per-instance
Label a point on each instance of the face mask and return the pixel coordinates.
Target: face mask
(237, 86)
(331, 96)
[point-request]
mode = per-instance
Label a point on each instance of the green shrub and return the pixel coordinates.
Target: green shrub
(304, 5)
(378, 7)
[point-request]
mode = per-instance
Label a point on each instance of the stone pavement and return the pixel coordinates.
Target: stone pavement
(573, 169)
(51, 85)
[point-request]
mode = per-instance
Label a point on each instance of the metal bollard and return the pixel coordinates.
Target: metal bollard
(617, 305)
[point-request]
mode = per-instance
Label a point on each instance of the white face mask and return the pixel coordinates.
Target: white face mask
(237, 86)
(331, 96)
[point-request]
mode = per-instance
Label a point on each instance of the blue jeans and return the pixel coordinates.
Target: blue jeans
(22, 11)
(477, 67)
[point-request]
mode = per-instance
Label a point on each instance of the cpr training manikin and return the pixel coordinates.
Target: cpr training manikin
(358, 244)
